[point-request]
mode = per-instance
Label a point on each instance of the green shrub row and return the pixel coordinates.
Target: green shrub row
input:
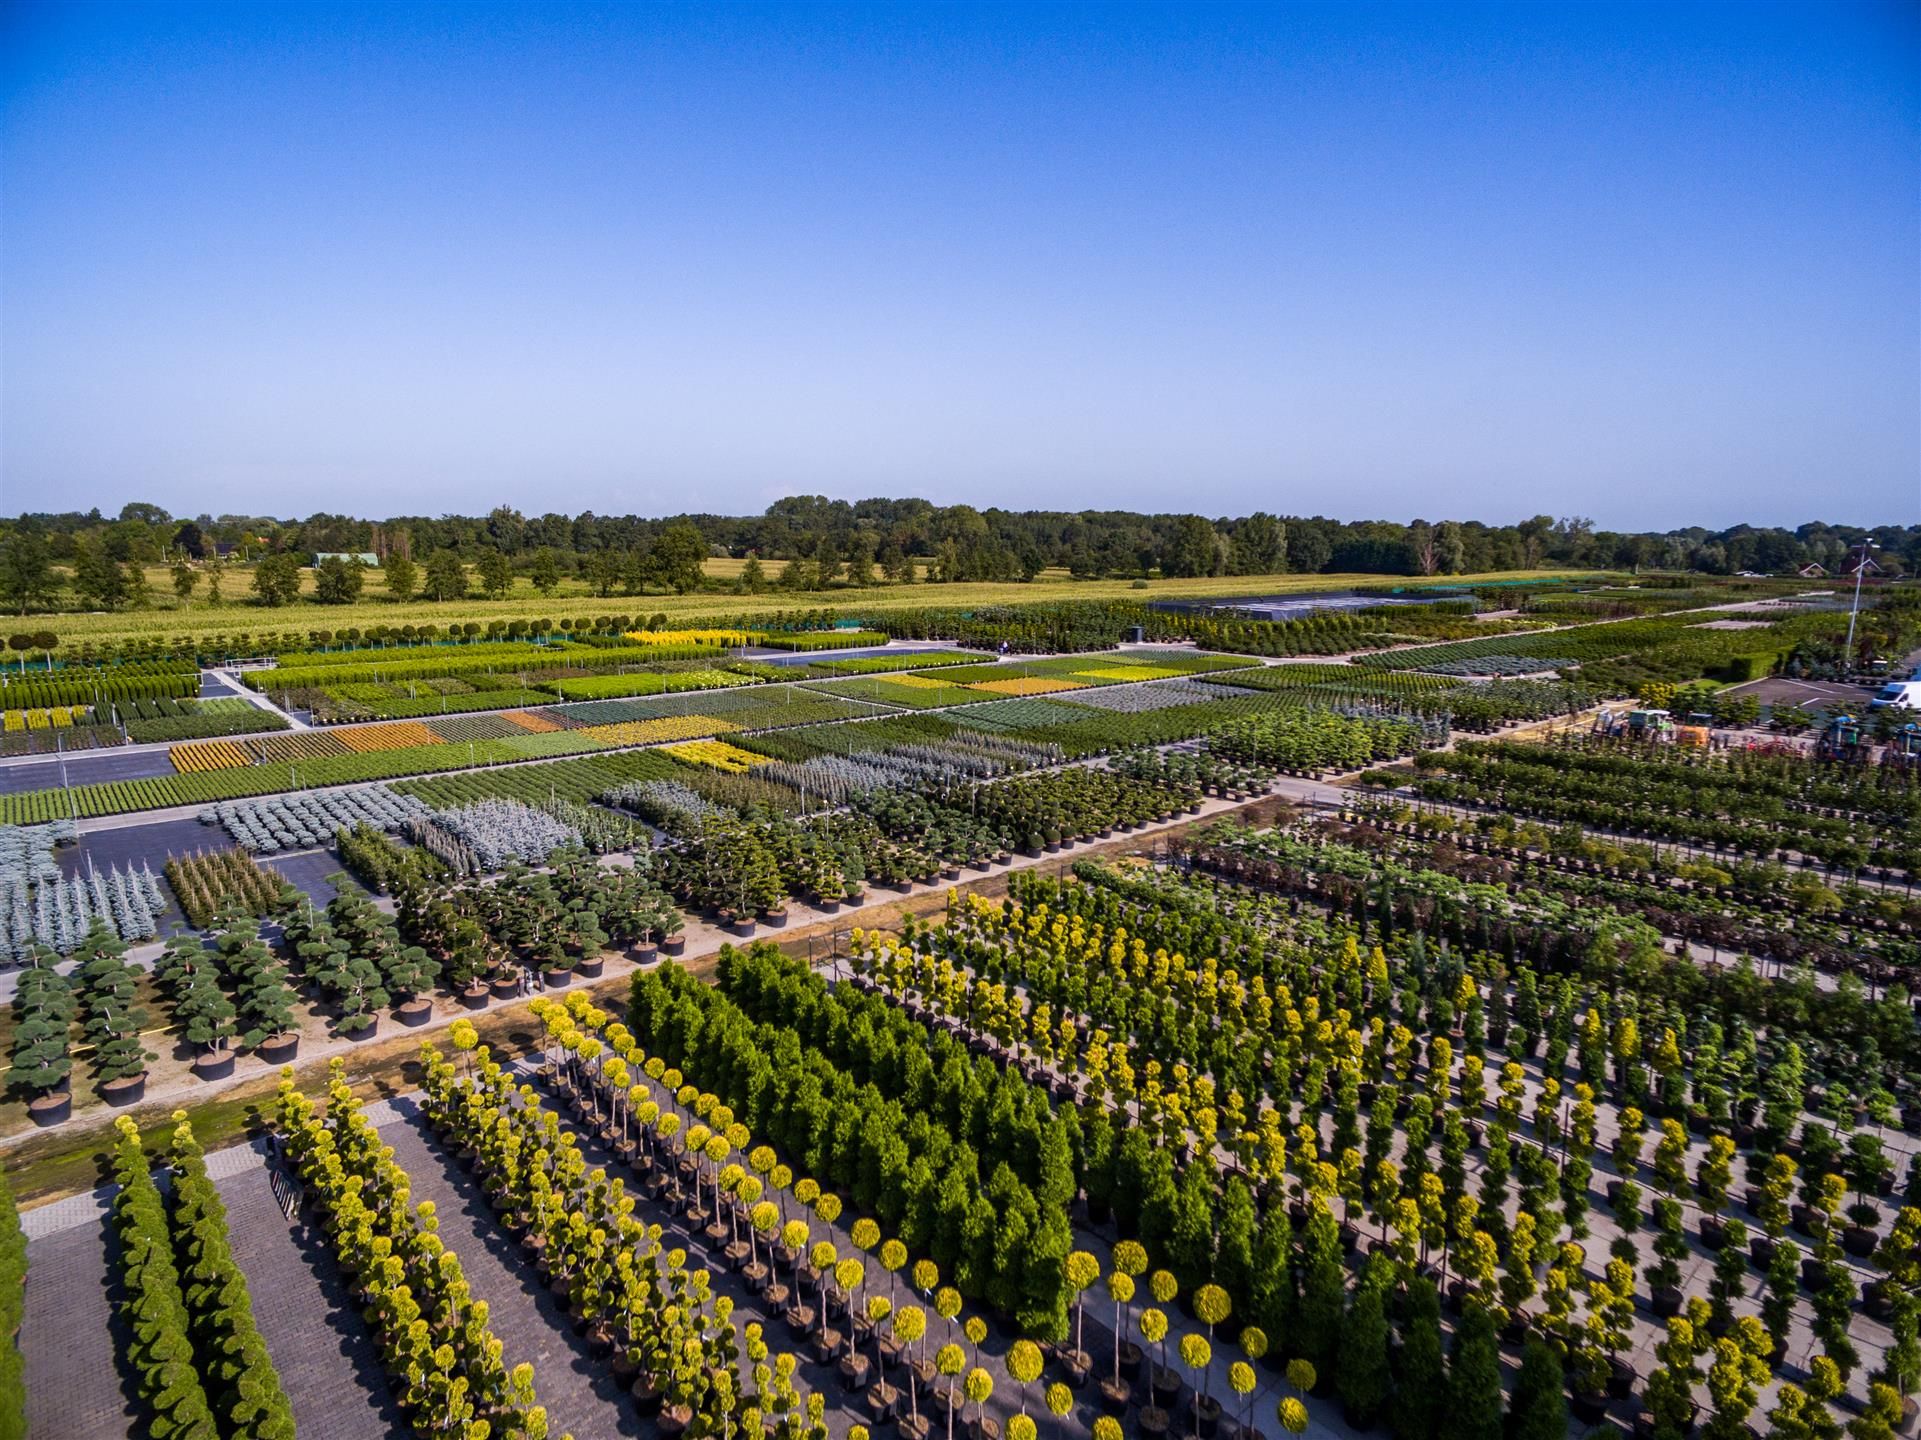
(94, 687)
(825, 640)
(459, 661)
(13, 1285)
(152, 1305)
(236, 1371)
(214, 726)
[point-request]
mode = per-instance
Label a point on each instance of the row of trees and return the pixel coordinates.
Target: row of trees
(99, 576)
(832, 539)
(202, 1368)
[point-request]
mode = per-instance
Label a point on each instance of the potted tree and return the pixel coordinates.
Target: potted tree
(1154, 1416)
(110, 1017)
(206, 1019)
(1711, 1184)
(266, 1000)
(555, 964)
(1771, 1209)
(43, 1005)
(592, 940)
(910, 1326)
(1670, 1249)
(1082, 1269)
(362, 997)
(411, 973)
(1869, 1173)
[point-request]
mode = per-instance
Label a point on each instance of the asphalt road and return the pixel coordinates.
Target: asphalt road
(1779, 692)
(87, 767)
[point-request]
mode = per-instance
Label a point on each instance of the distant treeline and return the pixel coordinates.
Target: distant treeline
(835, 541)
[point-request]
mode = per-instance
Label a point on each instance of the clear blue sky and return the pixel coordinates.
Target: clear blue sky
(1657, 264)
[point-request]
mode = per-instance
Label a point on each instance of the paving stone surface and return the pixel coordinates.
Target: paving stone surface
(69, 1340)
(326, 1357)
(579, 1392)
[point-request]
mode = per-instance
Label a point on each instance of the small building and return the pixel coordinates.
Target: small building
(364, 557)
(1813, 570)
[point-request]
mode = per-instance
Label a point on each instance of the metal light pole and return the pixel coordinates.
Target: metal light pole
(1859, 570)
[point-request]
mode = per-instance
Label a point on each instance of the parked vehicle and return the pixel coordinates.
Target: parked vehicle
(1901, 694)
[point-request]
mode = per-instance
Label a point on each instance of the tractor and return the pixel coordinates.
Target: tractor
(1903, 750)
(1844, 741)
(1634, 724)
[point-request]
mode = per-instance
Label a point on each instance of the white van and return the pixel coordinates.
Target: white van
(1899, 694)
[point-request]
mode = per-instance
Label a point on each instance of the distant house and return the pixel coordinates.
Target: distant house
(1813, 570)
(1868, 566)
(225, 549)
(365, 557)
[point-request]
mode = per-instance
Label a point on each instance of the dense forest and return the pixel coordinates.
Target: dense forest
(819, 542)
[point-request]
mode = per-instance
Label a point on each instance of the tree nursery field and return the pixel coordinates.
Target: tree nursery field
(736, 1019)
(301, 614)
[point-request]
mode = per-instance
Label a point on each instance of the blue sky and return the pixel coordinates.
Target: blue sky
(1656, 264)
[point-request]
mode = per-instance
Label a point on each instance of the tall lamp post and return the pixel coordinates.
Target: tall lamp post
(1860, 569)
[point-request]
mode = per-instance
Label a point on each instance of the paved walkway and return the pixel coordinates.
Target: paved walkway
(70, 1339)
(327, 1360)
(580, 1393)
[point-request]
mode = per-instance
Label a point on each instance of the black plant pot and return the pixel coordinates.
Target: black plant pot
(50, 1109)
(278, 1049)
(1621, 1377)
(130, 1091)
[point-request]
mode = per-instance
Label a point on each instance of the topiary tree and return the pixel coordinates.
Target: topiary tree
(410, 973)
(1153, 1325)
(1538, 1410)
(1196, 1355)
(978, 1387)
(1474, 1403)
(1081, 1269)
(1735, 1377)
(1212, 1306)
(1422, 1369)
(1120, 1289)
(1024, 1361)
(1670, 1388)
(1363, 1378)
(1670, 1158)
(1880, 1419)
(1060, 1404)
(361, 995)
(110, 1017)
(43, 1006)
(950, 1360)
